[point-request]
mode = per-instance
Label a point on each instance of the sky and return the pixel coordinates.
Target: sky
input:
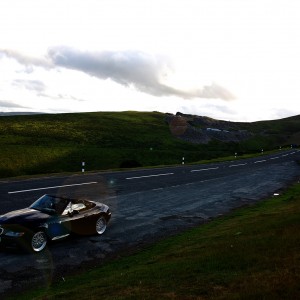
(226, 59)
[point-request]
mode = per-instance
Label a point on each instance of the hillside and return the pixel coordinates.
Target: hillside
(47, 143)
(202, 130)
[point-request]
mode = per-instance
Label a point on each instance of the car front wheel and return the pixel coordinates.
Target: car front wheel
(38, 241)
(101, 225)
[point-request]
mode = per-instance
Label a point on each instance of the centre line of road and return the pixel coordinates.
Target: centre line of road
(205, 169)
(237, 165)
(274, 157)
(146, 176)
(51, 187)
(259, 161)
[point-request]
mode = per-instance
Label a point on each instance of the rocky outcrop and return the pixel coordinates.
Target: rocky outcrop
(201, 130)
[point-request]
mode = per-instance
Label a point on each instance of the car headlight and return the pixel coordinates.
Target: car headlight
(14, 234)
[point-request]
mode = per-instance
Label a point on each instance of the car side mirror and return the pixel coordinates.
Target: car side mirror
(72, 213)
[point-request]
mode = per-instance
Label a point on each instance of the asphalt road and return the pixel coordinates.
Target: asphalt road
(146, 205)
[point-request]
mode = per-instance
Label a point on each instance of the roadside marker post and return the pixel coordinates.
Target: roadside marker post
(83, 165)
(183, 160)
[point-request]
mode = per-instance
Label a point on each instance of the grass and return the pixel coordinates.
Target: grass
(43, 144)
(253, 253)
(40, 144)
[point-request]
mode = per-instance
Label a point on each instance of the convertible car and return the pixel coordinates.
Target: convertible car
(51, 218)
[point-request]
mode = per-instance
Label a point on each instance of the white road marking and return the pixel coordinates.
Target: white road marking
(237, 165)
(285, 155)
(205, 169)
(146, 176)
(275, 157)
(51, 187)
(259, 161)
(206, 180)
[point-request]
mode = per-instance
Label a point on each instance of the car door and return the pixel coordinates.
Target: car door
(77, 222)
(58, 227)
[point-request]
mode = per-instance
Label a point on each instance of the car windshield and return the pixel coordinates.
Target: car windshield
(50, 204)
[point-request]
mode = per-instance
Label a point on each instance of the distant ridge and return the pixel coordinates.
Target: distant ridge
(20, 113)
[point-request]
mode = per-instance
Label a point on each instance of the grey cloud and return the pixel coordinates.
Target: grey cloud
(136, 69)
(32, 85)
(215, 91)
(61, 97)
(9, 104)
(131, 68)
(27, 61)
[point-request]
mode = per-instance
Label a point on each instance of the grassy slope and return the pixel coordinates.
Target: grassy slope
(37, 144)
(251, 254)
(55, 143)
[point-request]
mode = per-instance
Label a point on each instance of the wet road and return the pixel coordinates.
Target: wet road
(145, 204)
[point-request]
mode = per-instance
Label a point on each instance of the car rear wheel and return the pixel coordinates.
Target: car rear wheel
(101, 225)
(38, 241)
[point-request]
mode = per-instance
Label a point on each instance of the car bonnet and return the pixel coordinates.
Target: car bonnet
(25, 215)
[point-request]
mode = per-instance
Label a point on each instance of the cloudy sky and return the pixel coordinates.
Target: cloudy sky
(226, 59)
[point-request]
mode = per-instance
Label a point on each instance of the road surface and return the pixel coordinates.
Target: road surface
(146, 205)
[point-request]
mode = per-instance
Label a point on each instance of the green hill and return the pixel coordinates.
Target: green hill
(50, 143)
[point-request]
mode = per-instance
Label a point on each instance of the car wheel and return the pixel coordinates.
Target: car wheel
(101, 225)
(38, 241)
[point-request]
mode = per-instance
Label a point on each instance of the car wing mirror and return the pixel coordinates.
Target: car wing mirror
(71, 213)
